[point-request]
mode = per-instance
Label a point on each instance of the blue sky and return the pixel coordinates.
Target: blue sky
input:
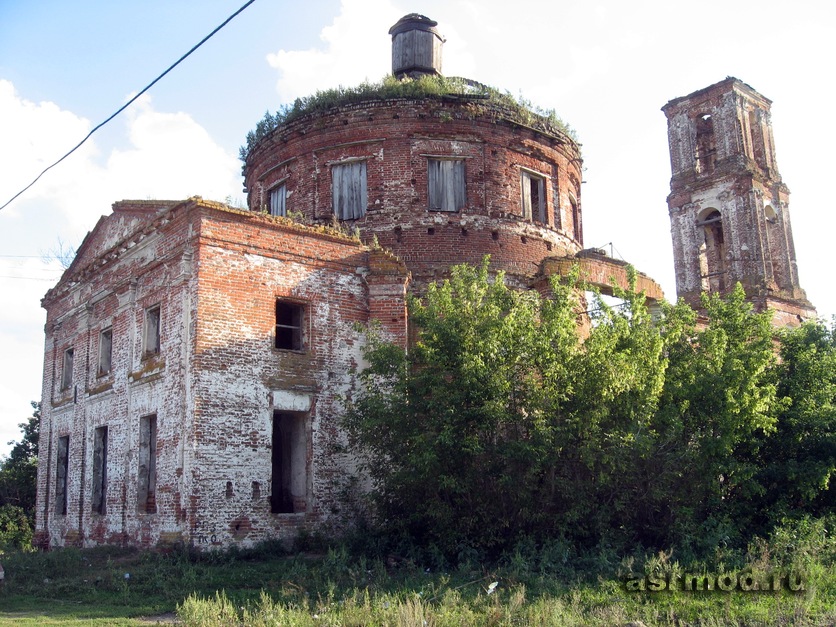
(606, 67)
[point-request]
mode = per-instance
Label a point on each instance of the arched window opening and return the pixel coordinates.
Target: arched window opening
(774, 244)
(706, 145)
(712, 252)
(577, 232)
(756, 131)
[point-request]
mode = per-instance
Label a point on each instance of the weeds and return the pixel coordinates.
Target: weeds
(426, 87)
(549, 584)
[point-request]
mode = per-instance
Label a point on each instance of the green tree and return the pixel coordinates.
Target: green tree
(19, 471)
(455, 431)
(502, 423)
(718, 405)
(799, 462)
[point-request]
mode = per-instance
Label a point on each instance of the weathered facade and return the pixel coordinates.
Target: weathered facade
(728, 206)
(197, 355)
(195, 360)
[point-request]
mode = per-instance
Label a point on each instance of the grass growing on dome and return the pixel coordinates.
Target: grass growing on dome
(517, 109)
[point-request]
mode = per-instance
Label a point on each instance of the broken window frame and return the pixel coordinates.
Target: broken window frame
(289, 334)
(67, 369)
(533, 190)
(147, 465)
(62, 469)
(289, 463)
(278, 200)
(105, 352)
(349, 189)
(99, 496)
(446, 184)
(151, 332)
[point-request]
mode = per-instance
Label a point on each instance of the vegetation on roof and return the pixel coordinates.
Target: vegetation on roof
(515, 108)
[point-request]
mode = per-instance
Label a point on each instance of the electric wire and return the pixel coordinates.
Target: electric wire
(130, 102)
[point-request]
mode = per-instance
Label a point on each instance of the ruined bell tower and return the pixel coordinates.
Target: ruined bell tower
(729, 208)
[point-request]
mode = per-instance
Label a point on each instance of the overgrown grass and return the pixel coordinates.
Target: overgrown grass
(430, 87)
(532, 585)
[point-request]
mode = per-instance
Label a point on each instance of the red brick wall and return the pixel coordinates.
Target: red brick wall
(396, 137)
(216, 274)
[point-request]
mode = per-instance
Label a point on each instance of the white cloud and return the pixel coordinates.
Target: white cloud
(22, 282)
(35, 136)
(168, 155)
(357, 47)
(171, 156)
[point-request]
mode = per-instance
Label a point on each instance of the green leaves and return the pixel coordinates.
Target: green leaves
(19, 471)
(502, 422)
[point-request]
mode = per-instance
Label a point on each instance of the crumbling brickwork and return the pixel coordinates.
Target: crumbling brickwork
(729, 208)
(197, 381)
(197, 356)
(399, 141)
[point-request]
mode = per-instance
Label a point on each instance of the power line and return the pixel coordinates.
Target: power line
(27, 278)
(130, 102)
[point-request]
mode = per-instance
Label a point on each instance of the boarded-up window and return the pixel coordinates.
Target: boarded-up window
(446, 184)
(348, 187)
(289, 317)
(151, 335)
(289, 464)
(278, 201)
(533, 196)
(67, 369)
(100, 470)
(105, 351)
(61, 469)
(147, 477)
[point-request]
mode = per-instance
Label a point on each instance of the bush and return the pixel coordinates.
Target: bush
(15, 530)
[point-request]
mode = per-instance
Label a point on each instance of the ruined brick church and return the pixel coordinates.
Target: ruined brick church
(197, 355)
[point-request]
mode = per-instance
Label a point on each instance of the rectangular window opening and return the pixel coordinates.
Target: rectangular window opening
(61, 469)
(67, 369)
(348, 189)
(289, 464)
(289, 320)
(446, 186)
(105, 351)
(533, 196)
(99, 502)
(147, 478)
(278, 200)
(151, 335)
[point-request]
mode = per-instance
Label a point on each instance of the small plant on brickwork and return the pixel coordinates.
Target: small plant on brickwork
(424, 87)
(296, 216)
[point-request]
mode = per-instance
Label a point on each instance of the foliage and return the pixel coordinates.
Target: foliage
(425, 87)
(718, 404)
(534, 586)
(799, 462)
(19, 471)
(501, 424)
(470, 412)
(15, 529)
